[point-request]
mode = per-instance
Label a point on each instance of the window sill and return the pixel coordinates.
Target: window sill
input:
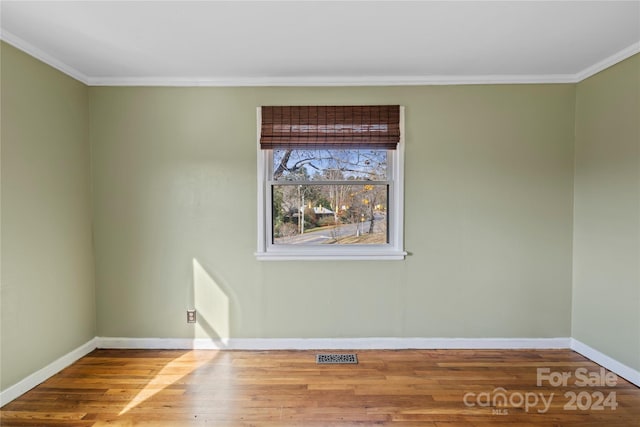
(389, 255)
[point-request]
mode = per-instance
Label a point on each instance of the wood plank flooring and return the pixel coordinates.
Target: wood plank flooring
(286, 388)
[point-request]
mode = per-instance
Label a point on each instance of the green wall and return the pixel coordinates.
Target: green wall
(47, 277)
(164, 182)
(606, 284)
(488, 202)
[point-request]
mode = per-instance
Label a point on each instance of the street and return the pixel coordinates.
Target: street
(327, 235)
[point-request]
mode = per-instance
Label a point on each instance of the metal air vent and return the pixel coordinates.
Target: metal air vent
(331, 358)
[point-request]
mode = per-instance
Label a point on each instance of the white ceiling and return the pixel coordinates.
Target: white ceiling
(324, 42)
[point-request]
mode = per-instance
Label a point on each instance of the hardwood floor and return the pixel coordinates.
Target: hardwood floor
(284, 388)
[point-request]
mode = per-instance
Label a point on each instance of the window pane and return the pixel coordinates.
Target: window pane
(333, 165)
(333, 214)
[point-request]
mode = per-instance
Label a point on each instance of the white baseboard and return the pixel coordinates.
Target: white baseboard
(333, 343)
(45, 373)
(630, 374)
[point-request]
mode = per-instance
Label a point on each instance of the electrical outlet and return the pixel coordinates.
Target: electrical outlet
(191, 316)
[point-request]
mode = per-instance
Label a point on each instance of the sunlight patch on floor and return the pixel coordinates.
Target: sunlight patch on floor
(165, 377)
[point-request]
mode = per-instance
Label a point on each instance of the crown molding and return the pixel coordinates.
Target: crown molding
(332, 80)
(434, 80)
(41, 55)
(620, 56)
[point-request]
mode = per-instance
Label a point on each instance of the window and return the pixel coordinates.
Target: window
(330, 183)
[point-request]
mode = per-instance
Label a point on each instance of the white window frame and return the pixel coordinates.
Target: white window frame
(394, 250)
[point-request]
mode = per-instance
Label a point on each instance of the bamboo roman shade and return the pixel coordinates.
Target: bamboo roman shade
(344, 127)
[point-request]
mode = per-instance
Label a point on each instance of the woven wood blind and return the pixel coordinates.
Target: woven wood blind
(345, 127)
